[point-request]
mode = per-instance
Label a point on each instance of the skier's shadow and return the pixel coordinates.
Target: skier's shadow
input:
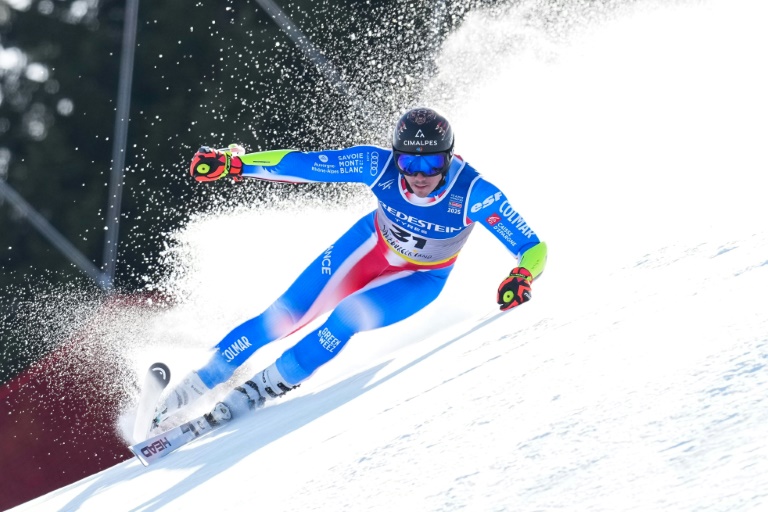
(303, 410)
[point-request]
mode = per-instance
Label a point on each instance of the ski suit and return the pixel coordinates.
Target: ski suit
(390, 264)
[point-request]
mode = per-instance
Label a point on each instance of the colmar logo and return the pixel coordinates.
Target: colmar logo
(236, 348)
(514, 218)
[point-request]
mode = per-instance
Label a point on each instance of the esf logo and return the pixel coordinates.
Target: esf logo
(488, 201)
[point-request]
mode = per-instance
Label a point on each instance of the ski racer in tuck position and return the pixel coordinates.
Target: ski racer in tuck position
(390, 264)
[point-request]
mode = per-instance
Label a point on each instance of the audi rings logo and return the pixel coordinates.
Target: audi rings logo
(374, 163)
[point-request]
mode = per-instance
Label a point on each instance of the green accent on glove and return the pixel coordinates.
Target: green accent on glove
(265, 158)
(534, 259)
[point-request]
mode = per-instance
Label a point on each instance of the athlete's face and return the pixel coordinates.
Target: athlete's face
(422, 185)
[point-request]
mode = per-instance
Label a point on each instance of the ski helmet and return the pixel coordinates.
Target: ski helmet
(422, 130)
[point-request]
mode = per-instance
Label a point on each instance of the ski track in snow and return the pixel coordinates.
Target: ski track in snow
(635, 379)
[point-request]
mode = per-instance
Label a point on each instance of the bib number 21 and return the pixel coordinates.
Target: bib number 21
(404, 237)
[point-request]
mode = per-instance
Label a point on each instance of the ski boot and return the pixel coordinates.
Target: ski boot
(253, 393)
(220, 414)
(188, 391)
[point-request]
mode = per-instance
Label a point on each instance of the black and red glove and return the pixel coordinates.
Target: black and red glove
(515, 289)
(210, 164)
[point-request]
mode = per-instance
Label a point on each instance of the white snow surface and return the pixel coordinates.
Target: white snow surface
(635, 379)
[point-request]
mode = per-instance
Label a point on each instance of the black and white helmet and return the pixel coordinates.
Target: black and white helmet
(422, 130)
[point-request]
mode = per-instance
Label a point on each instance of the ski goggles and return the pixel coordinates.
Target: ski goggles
(429, 165)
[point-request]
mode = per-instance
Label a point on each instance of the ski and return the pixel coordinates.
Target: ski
(162, 445)
(157, 379)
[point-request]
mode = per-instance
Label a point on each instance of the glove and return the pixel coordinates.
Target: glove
(515, 289)
(210, 164)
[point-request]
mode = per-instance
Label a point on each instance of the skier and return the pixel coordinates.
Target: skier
(390, 264)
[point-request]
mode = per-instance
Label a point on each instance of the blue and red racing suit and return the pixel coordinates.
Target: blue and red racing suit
(390, 264)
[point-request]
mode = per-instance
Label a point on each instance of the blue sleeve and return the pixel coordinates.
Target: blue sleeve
(358, 164)
(490, 207)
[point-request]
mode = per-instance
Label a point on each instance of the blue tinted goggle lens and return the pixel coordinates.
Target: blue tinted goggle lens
(429, 165)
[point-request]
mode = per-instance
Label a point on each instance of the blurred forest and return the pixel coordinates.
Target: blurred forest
(205, 72)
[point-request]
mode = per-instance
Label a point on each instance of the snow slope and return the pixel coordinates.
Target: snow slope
(635, 379)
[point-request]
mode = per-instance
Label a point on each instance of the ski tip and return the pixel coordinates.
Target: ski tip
(161, 372)
(137, 454)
